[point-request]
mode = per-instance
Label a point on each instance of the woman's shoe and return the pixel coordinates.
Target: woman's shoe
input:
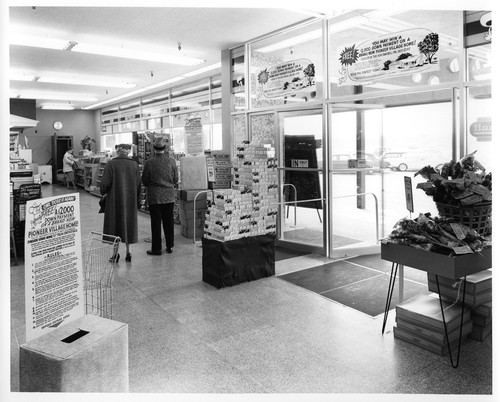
(128, 257)
(169, 250)
(151, 252)
(115, 258)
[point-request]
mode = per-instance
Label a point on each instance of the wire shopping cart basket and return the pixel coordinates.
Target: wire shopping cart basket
(97, 250)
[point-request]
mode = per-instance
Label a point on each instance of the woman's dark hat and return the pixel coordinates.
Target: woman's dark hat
(159, 143)
(124, 146)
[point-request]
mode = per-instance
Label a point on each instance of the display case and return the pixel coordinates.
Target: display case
(99, 171)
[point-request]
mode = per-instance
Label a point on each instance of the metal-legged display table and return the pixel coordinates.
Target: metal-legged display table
(453, 267)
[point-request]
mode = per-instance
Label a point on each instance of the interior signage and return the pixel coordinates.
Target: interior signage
(481, 129)
(396, 54)
(53, 264)
(288, 78)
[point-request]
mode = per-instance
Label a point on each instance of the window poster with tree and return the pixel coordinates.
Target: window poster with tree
(399, 53)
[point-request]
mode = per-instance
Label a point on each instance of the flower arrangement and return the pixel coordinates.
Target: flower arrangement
(462, 183)
(85, 142)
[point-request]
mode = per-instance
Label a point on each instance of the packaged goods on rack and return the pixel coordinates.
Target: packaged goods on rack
(249, 208)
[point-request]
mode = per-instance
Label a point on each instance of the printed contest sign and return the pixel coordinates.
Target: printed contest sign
(53, 264)
(288, 78)
(396, 54)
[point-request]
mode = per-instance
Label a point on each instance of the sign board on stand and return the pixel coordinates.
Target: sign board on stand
(53, 264)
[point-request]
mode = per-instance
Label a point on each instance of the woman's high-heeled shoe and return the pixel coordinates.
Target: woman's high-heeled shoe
(128, 257)
(115, 258)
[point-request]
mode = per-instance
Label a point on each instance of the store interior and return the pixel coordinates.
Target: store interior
(319, 323)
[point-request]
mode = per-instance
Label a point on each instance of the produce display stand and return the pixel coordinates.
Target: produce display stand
(453, 267)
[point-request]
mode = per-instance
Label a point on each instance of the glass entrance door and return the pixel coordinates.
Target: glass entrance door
(373, 146)
(300, 165)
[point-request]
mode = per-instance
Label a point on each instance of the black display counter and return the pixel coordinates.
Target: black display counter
(232, 262)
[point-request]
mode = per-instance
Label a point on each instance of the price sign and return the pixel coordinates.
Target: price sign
(408, 194)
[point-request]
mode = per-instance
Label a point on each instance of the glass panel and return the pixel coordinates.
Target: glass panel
(109, 141)
(238, 79)
(479, 63)
(193, 96)
(390, 139)
(300, 161)
(380, 50)
(239, 130)
(262, 128)
(287, 68)
(479, 115)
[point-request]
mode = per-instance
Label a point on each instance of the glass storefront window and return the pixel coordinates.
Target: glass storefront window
(109, 141)
(380, 50)
(479, 132)
(479, 63)
(193, 96)
(238, 100)
(286, 69)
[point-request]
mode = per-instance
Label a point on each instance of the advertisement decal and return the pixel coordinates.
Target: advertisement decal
(287, 78)
(396, 54)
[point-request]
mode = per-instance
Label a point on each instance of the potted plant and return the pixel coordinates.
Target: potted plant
(461, 190)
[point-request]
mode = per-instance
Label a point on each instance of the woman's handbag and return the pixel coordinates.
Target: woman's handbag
(102, 204)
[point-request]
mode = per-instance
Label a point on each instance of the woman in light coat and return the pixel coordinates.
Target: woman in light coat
(121, 182)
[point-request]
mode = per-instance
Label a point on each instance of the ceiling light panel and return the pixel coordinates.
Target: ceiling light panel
(54, 78)
(159, 55)
(52, 96)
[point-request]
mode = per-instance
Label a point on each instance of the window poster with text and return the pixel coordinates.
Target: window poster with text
(396, 54)
(53, 264)
(287, 78)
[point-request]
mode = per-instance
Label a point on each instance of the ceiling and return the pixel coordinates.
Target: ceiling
(199, 32)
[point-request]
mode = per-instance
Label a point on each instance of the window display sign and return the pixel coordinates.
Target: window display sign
(194, 138)
(288, 78)
(391, 55)
(53, 264)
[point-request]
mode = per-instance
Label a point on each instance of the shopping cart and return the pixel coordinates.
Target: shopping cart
(97, 250)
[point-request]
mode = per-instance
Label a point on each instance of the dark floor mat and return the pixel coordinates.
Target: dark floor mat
(356, 284)
(281, 253)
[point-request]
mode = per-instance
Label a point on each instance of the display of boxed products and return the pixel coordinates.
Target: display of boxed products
(249, 208)
(419, 321)
(478, 288)
(482, 322)
(192, 212)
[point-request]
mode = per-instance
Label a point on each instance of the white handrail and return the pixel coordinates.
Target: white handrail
(295, 203)
(194, 213)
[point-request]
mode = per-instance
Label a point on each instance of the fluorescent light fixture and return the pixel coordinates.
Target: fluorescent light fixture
(57, 106)
(156, 55)
(157, 85)
(52, 96)
(77, 81)
(70, 81)
(41, 41)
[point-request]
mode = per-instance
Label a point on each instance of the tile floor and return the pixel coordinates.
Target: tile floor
(258, 338)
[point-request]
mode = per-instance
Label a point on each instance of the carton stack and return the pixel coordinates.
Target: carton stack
(249, 208)
(478, 297)
(191, 215)
(419, 321)
(219, 171)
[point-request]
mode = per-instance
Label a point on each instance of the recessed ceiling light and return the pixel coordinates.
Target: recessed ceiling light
(57, 106)
(53, 96)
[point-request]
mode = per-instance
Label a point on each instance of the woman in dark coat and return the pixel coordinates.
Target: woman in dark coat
(121, 182)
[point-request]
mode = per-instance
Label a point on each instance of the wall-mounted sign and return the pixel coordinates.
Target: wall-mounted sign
(481, 129)
(287, 78)
(300, 163)
(396, 54)
(53, 264)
